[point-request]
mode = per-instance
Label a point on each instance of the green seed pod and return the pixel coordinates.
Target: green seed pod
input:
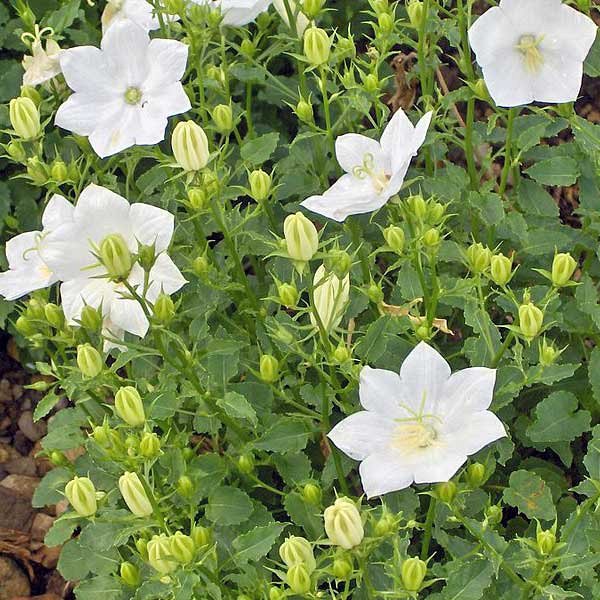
(24, 326)
(417, 207)
(493, 514)
(200, 266)
(385, 525)
(546, 540)
(129, 406)
(197, 198)
(288, 294)
(415, 13)
(563, 267)
(89, 360)
(81, 494)
(182, 548)
(446, 491)
(317, 46)
(431, 238)
(160, 554)
(412, 572)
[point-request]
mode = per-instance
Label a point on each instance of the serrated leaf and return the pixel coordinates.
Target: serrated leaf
(304, 515)
(259, 150)
(558, 170)
(558, 420)
(529, 493)
(237, 407)
(286, 435)
(228, 506)
(592, 458)
(257, 543)
(45, 405)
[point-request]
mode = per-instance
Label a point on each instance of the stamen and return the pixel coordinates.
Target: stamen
(529, 47)
(133, 95)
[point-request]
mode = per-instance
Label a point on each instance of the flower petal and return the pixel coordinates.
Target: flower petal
(381, 392)
(128, 315)
(474, 432)
(467, 391)
(168, 59)
(77, 293)
(384, 472)
(58, 211)
(352, 149)
(116, 131)
(362, 434)
(86, 70)
(151, 225)
(164, 277)
(81, 111)
(169, 100)
(437, 464)
(558, 80)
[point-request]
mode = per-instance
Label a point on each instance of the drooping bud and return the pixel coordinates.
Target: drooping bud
(149, 445)
(129, 406)
(89, 360)
(478, 258)
(81, 494)
(24, 118)
(394, 238)
(130, 574)
(343, 524)
(160, 554)
(269, 368)
(164, 309)
(563, 267)
(301, 237)
(317, 46)
(298, 578)
(297, 550)
(223, 118)
(446, 491)
(311, 493)
(134, 494)
(182, 548)
(412, 572)
(475, 475)
(116, 257)
(260, 185)
(288, 294)
(190, 146)
(501, 269)
(531, 319)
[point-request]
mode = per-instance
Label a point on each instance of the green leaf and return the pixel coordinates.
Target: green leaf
(228, 506)
(237, 407)
(529, 493)
(467, 580)
(76, 562)
(259, 150)
(286, 435)
(51, 488)
(105, 587)
(559, 170)
(45, 405)
(535, 200)
(304, 515)
(594, 373)
(62, 529)
(64, 17)
(592, 458)
(257, 543)
(558, 420)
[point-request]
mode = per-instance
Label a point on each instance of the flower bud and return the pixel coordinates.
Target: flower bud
(531, 319)
(35, 309)
(248, 48)
(24, 326)
(446, 491)
(164, 309)
(200, 266)
(129, 406)
(288, 294)
(81, 494)
(149, 445)
(330, 296)
(312, 8)
(24, 118)
(298, 551)
(317, 46)
(431, 238)
(28, 91)
(182, 548)
(54, 315)
(371, 83)
(385, 22)
(223, 118)
(134, 494)
(340, 262)
(341, 568)
(415, 13)
(394, 238)
(269, 368)
(501, 269)
(246, 463)
(546, 540)
(185, 486)
(37, 171)
(202, 536)
(412, 572)
(190, 146)
(275, 593)
(301, 237)
(298, 578)
(493, 514)
(478, 258)
(417, 207)
(385, 525)
(198, 198)
(91, 318)
(304, 111)
(375, 293)
(312, 493)
(480, 90)
(548, 353)
(116, 257)
(58, 459)
(563, 267)
(89, 361)
(15, 151)
(160, 554)
(435, 212)
(343, 524)
(59, 171)
(260, 185)
(341, 354)
(142, 547)
(130, 574)
(475, 475)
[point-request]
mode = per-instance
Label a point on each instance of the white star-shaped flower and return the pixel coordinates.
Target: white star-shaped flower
(375, 171)
(532, 51)
(125, 90)
(237, 12)
(419, 426)
(42, 64)
(27, 270)
(71, 252)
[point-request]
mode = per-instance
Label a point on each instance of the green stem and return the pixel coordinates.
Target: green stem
(502, 350)
(327, 110)
(428, 528)
(507, 151)
(421, 50)
(249, 123)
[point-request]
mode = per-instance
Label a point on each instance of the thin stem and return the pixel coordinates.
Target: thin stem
(507, 151)
(502, 350)
(428, 528)
(327, 110)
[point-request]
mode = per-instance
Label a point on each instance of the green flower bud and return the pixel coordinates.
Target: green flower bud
(375, 293)
(24, 326)
(417, 207)
(248, 48)
(146, 256)
(412, 572)
(190, 146)
(246, 463)
(348, 78)
(341, 568)
(563, 267)
(89, 360)
(385, 525)
(58, 458)
(149, 445)
(116, 257)
(260, 185)
(15, 151)
(301, 237)
(548, 353)
(37, 171)
(164, 309)
(341, 354)
(298, 551)
(197, 198)
(298, 578)
(130, 574)
(478, 258)
(343, 524)
(501, 269)
(304, 111)
(531, 319)
(81, 494)
(446, 491)
(215, 73)
(200, 266)
(142, 547)
(24, 118)
(435, 212)
(135, 496)
(317, 46)
(182, 548)
(394, 238)
(275, 593)
(385, 22)
(431, 238)
(160, 554)
(288, 294)
(54, 315)
(202, 536)
(269, 368)
(423, 332)
(312, 8)
(340, 262)
(345, 47)
(223, 118)
(36, 309)
(129, 406)
(185, 486)
(91, 318)
(415, 13)
(475, 475)
(311, 493)
(493, 514)
(371, 83)
(546, 540)
(59, 171)
(30, 92)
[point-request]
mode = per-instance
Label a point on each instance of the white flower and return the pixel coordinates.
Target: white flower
(330, 297)
(124, 90)
(139, 11)
(375, 171)
(302, 20)
(43, 64)
(418, 426)
(532, 50)
(27, 270)
(237, 12)
(71, 252)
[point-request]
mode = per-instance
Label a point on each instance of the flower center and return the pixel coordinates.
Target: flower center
(414, 436)
(529, 47)
(133, 95)
(367, 170)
